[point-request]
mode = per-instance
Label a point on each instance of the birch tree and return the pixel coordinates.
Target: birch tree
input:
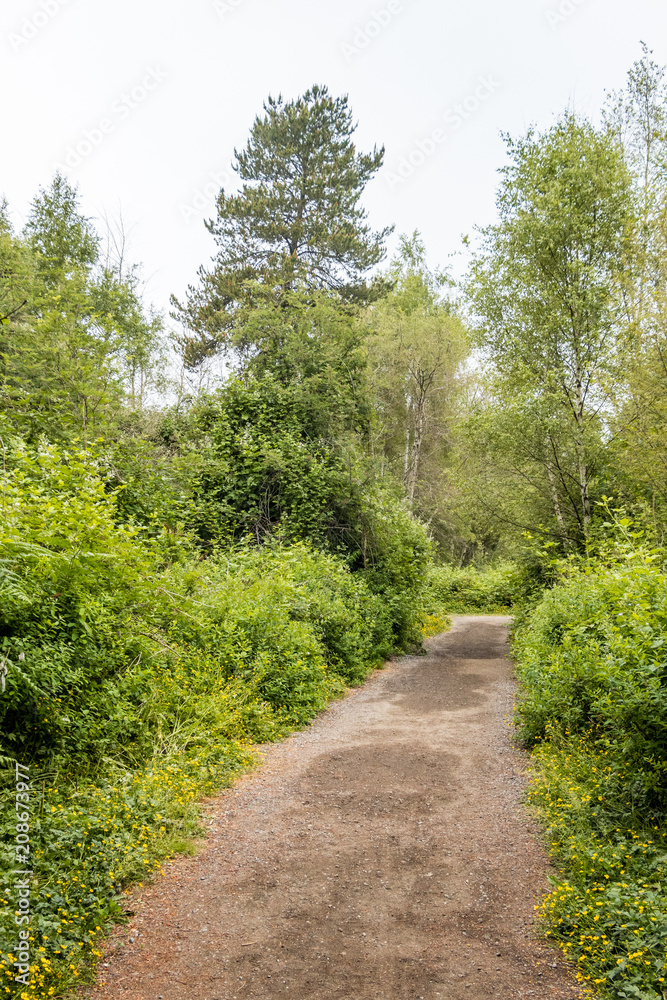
(416, 351)
(638, 115)
(548, 287)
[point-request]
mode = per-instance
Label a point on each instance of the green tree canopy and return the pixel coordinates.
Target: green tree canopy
(547, 288)
(638, 115)
(297, 222)
(417, 346)
(61, 237)
(76, 343)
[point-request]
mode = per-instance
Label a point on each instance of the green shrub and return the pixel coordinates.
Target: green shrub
(495, 590)
(592, 654)
(395, 564)
(593, 706)
(608, 908)
(267, 466)
(136, 685)
(273, 461)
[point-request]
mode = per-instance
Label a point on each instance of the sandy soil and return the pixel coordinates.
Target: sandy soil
(382, 853)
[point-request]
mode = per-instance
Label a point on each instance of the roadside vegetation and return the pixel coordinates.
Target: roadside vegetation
(190, 564)
(495, 590)
(139, 681)
(591, 660)
(212, 524)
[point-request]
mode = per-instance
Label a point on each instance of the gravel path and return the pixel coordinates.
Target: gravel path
(382, 853)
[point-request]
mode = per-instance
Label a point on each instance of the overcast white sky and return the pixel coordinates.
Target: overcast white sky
(155, 94)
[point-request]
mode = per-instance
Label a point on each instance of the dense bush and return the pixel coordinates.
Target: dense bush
(268, 465)
(593, 654)
(139, 675)
(591, 660)
(494, 590)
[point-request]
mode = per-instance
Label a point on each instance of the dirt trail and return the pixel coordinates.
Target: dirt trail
(382, 853)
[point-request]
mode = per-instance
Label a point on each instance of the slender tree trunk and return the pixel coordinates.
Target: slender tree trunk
(415, 456)
(556, 502)
(581, 458)
(406, 459)
(585, 495)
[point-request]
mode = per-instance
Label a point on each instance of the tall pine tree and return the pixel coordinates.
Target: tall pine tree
(296, 224)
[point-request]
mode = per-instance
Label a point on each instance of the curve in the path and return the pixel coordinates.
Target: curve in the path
(383, 853)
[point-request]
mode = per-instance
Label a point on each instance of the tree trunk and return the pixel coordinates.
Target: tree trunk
(413, 454)
(406, 459)
(581, 457)
(557, 507)
(417, 447)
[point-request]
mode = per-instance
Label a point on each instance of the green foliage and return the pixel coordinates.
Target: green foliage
(593, 655)
(268, 464)
(546, 275)
(416, 351)
(470, 591)
(394, 560)
(83, 608)
(521, 458)
(134, 334)
(17, 267)
(608, 908)
(315, 342)
(297, 221)
(67, 572)
(207, 577)
(62, 239)
(76, 343)
(590, 657)
(547, 288)
(267, 459)
(90, 839)
(638, 114)
(139, 676)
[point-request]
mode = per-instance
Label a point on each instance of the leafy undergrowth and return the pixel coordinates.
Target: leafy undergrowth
(138, 678)
(492, 591)
(609, 910)
(591, 659)
(89, 842)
